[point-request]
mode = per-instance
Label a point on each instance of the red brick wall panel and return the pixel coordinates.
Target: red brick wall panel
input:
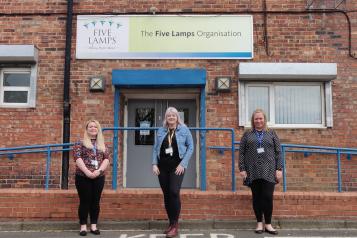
(25, 204)
(292, 38)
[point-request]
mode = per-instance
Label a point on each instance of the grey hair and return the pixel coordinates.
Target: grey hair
(174, 111)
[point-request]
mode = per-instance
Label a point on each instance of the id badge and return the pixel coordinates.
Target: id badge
(260, 150)
(169, 151)
(95, 163)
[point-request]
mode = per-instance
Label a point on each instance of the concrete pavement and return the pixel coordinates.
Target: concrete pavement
(187, 233)
(189, 225)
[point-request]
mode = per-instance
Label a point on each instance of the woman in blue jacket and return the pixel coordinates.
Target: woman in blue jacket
(171, 153)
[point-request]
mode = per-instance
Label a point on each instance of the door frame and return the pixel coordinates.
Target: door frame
(194, 79)
(148, 94)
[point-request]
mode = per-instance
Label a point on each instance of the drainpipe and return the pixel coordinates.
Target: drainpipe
(66, 97)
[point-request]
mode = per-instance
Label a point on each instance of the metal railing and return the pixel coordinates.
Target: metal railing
(285, 148)
(115, 148)
(203, 178)
(48, 149)
(306, 150)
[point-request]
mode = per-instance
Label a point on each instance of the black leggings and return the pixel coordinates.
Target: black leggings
(89, 192)
(262, 192)
(171, 184)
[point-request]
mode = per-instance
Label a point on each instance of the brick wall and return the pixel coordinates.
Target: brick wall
(292, 38)
(23, 204)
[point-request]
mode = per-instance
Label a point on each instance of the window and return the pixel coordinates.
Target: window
(18, 74)
(293, 95)
(16, 87)
(287, 104)
(144, 117)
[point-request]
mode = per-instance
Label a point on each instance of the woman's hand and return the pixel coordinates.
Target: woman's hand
(180, 170)
(97, 173)
(278, 175)
(243, 174)
(90, 174)
(155, 170)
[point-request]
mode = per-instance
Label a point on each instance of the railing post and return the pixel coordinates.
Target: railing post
(48, 165)
(203, 159)
(284, 167)
(233, 163)
(203, 138)
(115, 139)
(339, 170)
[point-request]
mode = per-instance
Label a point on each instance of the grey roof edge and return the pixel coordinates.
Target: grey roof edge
(288, 71)
(18, 53)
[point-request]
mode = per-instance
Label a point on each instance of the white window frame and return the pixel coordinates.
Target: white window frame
(299, 73)
(31, 96)
(271, 86)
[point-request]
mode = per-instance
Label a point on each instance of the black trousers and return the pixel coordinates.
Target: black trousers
(170, 184)
(262, 192)
(89, 192)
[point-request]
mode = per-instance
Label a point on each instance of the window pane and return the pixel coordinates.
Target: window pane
(298, 105)
(144, 117)
(17, 79)
(15, 96)
(258, 97)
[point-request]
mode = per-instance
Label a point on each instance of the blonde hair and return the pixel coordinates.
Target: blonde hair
(99, 140)
(258, 110)
(174, 111)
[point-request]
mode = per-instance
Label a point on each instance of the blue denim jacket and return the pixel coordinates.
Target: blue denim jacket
(184, 144)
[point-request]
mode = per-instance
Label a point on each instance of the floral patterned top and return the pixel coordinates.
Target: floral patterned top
(92, 158)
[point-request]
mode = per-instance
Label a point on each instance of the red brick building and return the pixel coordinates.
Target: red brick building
(302, 70)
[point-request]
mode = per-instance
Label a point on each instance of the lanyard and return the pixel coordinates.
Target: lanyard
(95, 149)
(171, 135)
(259, 135)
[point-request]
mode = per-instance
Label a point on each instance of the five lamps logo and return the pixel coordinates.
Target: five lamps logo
(102, 34)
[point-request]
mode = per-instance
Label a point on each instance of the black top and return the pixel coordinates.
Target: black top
(165, 145)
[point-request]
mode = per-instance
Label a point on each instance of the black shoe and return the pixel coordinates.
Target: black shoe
(95, 232)
(83, 233)
(275, 232)
(259, 231)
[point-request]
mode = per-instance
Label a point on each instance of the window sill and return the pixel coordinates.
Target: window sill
(293, 126)
(16, 106)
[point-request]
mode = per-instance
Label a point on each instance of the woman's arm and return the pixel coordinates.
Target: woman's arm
(156, 150)
(277, 152)
(104, 165)
(80, 164)
(242, 150)
(278, 158)
(155, 154)
(189, 151)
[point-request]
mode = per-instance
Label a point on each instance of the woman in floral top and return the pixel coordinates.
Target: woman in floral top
(92, 159)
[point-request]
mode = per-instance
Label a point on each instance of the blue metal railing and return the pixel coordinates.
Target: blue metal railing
(285, 148)
(48, 149)
(202, 154)
(307, 150)
(115, 150)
